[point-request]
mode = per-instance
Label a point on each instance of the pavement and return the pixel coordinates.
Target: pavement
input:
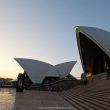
(32, 100)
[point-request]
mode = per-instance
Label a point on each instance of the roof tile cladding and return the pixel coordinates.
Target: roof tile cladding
(34, 68)
(98, 36)
(62, 69)
(38, 70)
(65, 68)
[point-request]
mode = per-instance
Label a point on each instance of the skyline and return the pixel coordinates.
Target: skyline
(44, 30)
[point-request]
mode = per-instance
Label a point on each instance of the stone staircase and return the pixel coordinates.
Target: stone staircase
(93, 96)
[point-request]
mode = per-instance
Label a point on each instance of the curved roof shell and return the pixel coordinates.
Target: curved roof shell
(35, 69)
(99, 37)
(62, 69)
(38, 70)
(52, 73)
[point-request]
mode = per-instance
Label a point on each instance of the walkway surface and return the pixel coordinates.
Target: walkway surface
(32, 100)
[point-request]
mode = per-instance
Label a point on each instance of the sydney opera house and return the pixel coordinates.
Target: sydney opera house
(94, 51)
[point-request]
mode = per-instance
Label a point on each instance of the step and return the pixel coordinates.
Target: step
(95, 102)
(87, 105)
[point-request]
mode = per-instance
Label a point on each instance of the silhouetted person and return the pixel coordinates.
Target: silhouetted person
(84, 79)
(108, 72)
(1, 85)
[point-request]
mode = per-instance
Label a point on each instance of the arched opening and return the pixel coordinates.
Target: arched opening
(49, 80)
(94, 59)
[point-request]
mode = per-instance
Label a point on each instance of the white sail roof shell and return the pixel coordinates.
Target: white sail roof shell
(52, 73)
(62, 69)
(98, 36)
(35, 69)
(38, 70)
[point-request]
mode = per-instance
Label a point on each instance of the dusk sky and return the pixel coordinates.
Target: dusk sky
(44, 30)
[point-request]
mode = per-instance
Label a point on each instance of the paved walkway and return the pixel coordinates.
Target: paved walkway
(32, 100)
(7, 99)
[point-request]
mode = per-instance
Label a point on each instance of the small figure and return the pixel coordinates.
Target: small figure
(84, 79)
(1, 85)
(108, 72)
